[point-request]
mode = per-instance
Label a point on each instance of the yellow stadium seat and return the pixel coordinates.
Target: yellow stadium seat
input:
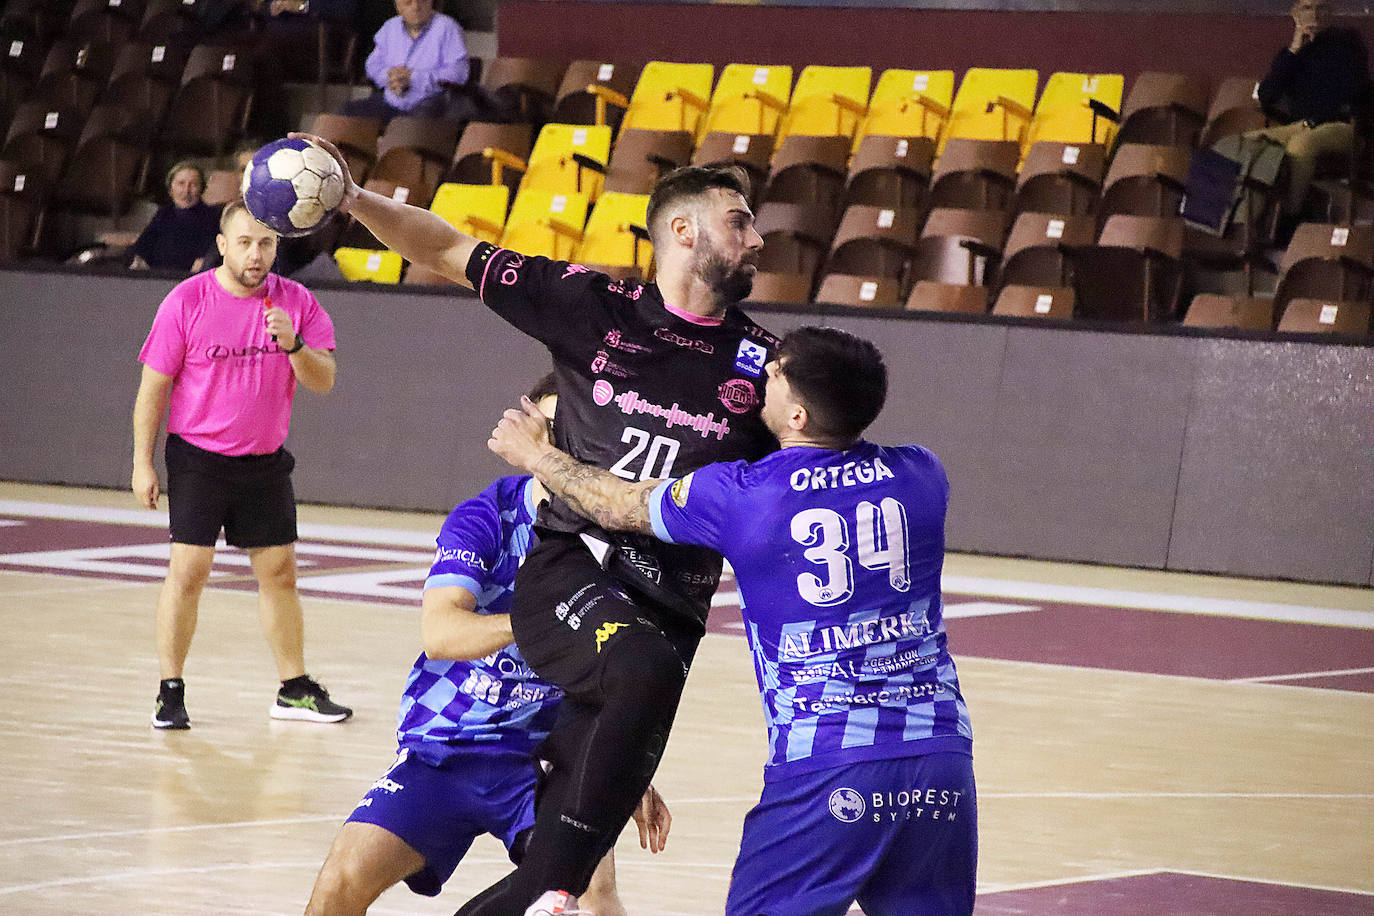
(669, 97)
(368, 264)
(827, 102)
(545, 223)
(908, 103)
(748, 100)
(1064, 115)
(477, 209)
(611, 239)
(554, 166)
(992, 105)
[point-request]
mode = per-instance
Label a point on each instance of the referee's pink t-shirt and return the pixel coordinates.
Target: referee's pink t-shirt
(233, 385)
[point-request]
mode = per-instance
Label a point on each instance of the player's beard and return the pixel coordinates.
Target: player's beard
(249, 280)
(730, 282)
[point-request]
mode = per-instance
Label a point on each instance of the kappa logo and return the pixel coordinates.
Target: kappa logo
(846, 805)
(607, 630)
(750, 357)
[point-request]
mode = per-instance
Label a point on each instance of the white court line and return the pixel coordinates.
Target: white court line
(1361, 618)
(135, 874)
(1141, 872)
(1268, 678)
(1109, 796)
(1273, 881)
(1159, 601)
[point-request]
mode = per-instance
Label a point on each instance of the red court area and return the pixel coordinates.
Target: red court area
(1077, 635)
(1171, 892)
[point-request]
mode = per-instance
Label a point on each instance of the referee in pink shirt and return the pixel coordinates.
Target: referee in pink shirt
(225, 352)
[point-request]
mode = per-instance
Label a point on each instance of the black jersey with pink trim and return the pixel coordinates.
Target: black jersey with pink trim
(643, 391)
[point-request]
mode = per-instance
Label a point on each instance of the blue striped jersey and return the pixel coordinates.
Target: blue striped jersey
(492, 702)
(838, 556)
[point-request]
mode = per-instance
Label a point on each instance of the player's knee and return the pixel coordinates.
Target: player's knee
(643, 664)
(339, 890)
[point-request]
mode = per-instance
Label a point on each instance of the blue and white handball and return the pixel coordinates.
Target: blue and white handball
(292, 186)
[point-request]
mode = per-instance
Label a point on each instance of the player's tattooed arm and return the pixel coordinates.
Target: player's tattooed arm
(614, 504)
(522, 438)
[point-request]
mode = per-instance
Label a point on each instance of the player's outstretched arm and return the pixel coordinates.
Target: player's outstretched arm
(452, 630)
(419, 236)
(522, 439)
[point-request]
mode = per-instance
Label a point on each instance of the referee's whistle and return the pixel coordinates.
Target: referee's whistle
(267, 304)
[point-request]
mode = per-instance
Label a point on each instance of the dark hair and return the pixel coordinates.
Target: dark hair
(839, 378)
(693, 181)
(547, 385)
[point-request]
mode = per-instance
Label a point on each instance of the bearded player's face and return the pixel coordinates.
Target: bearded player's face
(727, 246)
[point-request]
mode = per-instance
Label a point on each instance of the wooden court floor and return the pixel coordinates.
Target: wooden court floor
(1087, 774)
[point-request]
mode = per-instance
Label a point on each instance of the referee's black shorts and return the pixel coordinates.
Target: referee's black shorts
(568, 614)
(249, 496)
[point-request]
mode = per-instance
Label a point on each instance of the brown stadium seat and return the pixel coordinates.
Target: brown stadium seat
(586, 87)
(1328, 262)
(416, 153)
(889, 171)
(519, 89)
(975, 174)
(115, 22)
(1037, 249)
(1021, 301)
(1144, 180)
(1133, 273)
(796, 238)
(110, 162)
(869, 256)
(170, 21)
(1213, 310)
(809, 170)
(75, 72)
(953, 261)
(41, 138)
(17, 219)
(1318, 316)
(210, 109)
(473, 159)
(640, 157)
(356, 137)
(751, 152)
(20, 64)
(1062, 178)
(1163, 108)
(1234, 110)
(146, 75)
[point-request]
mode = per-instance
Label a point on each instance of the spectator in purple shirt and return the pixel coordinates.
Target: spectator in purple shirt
(416, 52)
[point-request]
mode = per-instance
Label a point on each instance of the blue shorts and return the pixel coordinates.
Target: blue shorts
(899, 836)
(440, 810)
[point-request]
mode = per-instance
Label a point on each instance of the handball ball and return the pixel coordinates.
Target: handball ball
(292, 186)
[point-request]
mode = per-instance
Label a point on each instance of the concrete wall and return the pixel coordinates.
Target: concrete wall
(1240, 41)
(1253, 457)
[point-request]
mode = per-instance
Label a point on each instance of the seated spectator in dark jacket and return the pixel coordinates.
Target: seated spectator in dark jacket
(181, 233)
(1317, 89)
(416, 52)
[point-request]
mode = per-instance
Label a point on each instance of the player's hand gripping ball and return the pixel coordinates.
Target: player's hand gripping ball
(292, 186)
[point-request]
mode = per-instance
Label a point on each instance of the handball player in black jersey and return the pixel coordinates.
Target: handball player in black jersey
(654, 380)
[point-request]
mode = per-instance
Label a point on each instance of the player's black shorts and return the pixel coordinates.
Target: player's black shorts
(567, 613)
(249, 496)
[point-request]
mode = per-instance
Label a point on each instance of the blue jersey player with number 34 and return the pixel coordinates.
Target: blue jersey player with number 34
(837, 545)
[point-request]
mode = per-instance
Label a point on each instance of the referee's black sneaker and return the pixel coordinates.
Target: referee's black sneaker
(170, 711)
(303, 699)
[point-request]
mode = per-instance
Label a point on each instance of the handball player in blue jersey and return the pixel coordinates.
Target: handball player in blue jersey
(655, 380)
(837, 545)
(471, 720)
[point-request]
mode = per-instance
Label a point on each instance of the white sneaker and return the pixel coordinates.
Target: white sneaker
(556, 903)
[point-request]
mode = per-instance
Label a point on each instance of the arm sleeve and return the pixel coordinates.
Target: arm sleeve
(696, 509)
(377, 64)
(545, 299)
(469, 545)
(317, 328)
(165, 349)
(1276, 83)
(452, 65)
